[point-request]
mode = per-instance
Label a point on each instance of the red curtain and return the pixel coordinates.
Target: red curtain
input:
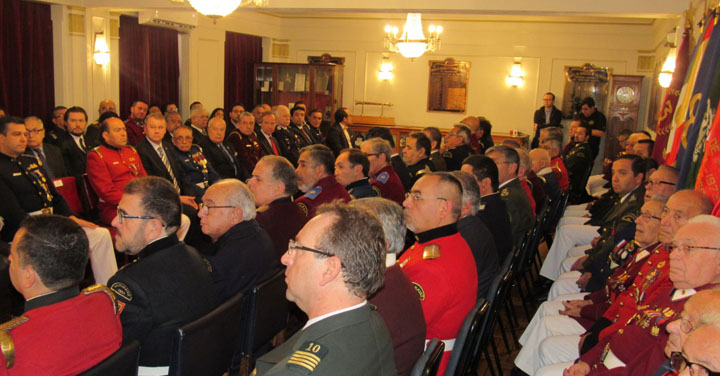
(241, 52)
(149, 65)
(27, 82)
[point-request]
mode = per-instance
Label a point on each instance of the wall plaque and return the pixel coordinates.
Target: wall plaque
(447, 87)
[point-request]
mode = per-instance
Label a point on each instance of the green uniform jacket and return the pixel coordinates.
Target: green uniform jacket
(356, 342)
(519, 209)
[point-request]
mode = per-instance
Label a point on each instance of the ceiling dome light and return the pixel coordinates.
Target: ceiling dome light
(215, 8)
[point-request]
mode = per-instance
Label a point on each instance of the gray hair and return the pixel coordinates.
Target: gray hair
(34, 118)
(471, 190)
(356, 237)
(464, 132)
(705, 219)
(524, 156)
(454, 190)
(282, 171)
(380, 146)
(246, 114)
(391, 218)
(276, 111)
(238, 195)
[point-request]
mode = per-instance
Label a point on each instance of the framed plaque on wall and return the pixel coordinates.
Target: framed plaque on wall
(447, 87)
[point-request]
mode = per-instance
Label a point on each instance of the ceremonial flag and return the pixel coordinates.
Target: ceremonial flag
(716, 210)
(670, 101)
(680, 121)
(701, 113)
(708, 179)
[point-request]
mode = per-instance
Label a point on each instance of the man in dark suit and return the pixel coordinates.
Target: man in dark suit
(222, 157)
(297, 126)
(288, 142)
(315, 117)
(50, 155)
(77, 143)
(416, 156)
(169, 285)
(546, 116)
(339, 135)
(457, 147)
(492, 210)
(436, 157)
(56, 131)
(198, 123)
(265, 134)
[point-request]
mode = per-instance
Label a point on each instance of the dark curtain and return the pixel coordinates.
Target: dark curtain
(149, 65)
(27, 82)
(241, 52)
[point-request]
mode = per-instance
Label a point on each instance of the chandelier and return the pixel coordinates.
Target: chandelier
(222, 8)
(412, 43)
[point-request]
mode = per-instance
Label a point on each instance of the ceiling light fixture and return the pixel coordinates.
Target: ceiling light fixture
(221, 8)
(412, 43)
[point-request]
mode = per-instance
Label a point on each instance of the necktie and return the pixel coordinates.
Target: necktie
(82, 144)
(230, 157)
(166, 162)
(39, 153)
(275, 150)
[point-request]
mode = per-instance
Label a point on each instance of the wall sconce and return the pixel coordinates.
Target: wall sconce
(517, 76)
(386, 69)
(101, 52)
(668, 67)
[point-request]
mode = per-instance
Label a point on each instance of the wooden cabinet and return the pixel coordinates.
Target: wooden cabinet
(318, 85)
(623, 110)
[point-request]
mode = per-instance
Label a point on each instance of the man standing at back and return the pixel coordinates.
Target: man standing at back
(337, 261)
(546, 116)
(440, 260)
(596, 122)
(169, 285)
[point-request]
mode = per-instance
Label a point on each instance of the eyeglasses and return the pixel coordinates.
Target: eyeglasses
(686, 326)
(658, 182)
(687, 248)
(36, 130)
(371, 154)
(452, 135)
(679, 363)
(202, 208)
(647, 216)
(294, 246)
(122, 215)
(415, 196)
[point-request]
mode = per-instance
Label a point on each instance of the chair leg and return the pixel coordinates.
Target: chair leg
(496, 356)
(490, 363)
(510, 309)
(501, 327)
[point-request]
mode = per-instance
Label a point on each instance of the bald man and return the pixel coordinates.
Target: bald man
(702, 351)
(541, 165)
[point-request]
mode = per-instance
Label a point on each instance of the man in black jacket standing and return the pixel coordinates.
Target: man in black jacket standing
(546, 116)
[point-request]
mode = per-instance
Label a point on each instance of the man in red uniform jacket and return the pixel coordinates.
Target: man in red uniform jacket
(382, 175)
(136, 122)
(553, 147)
(315, 170)
(63, 331)
(111, 166)
(440, 264)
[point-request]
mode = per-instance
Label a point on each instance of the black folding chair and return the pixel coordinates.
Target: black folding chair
(206, 345)
(468, 335)
(123, 362)
(429, 361)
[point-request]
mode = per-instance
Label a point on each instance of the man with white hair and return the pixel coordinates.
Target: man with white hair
(288, 142)
(540, 164)
(457, 143)
(242, 254)
(397, 300)
(198, 123)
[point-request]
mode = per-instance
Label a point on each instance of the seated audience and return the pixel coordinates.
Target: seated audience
(273, 183)
(63, 331)
(245, 142)
(315, 170)
(111, 166)
(416, 155)
(381, 172)
(336, 262)
(351, 170)
(436, 157)
(242, 254)
(169, 285)
(396, 300)
(197, 170)
(222, 157)
(524, 164)
(136, 122)
(552, 145)
(577, 161)
(540, 159)
(340, 136)
(50, 155)
(315, 118)
(457, 146)
(288, 142)
(395, 159)
(297, 126)
(440, 260)
(57, 131)
(265, 131)
(75, 145)
(701, 352)
(198, 124)
(172, 120)
(644, 148)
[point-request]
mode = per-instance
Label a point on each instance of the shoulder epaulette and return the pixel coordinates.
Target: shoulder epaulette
(97, 150)
(102, 288)
(132, 148)
(197, 146)
(303, 207)
(7, 346)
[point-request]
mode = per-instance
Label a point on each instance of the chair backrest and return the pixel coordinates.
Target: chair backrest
(429, 361)
(88, 193)
(67, 187)
(265, 314)
(123, 362)
(466, 339)
(206, 345)
(498, 292)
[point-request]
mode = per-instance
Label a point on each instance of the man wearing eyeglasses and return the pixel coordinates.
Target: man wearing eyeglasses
(382, 174)
(638, 348)
(169, 285)
(662, 182)
(457, 143)
(700, 355)
(336, 262)
(50, 155)
(241, 254)
(440, 263)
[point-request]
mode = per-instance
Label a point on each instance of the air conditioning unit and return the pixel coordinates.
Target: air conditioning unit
(182, 21)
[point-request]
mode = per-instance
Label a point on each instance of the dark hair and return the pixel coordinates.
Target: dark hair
(651, 144)
(484, 167)
(486, 140)
(282, 171)
(356, 157)
(165, 106)
(550, 94)
(9, 120)
(435, 134)
(56, 109)
(296, 108)
(159, 199)
(625, 132)
(584, 126)
(212, 114)
(138, 101)
(4, 109)
(383, 133)
(455, 198)
(638, 165)
(422, 142)
(237, 104)
(103, 120)
(314, 110)
(645, 133)
(356, 237)
(650, 164)
(587, 101)
(509, 154)
(340, 115)
(266, 113)
(321, 155)
(56, 247)
(193, 104)
(74, 109)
